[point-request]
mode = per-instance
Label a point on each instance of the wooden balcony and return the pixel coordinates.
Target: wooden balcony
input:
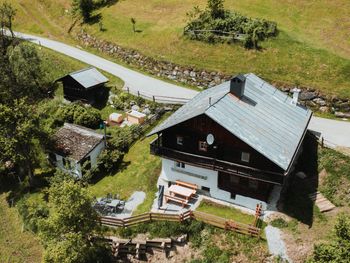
(215, 164)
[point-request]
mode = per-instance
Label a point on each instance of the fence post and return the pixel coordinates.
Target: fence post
(128, 89)
(154, 98)
(150, 216)
(138, 93)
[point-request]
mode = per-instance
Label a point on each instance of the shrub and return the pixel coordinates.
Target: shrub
(78, 114)
(215, 24)
(118, 103)
(338, 250)
(31, 213)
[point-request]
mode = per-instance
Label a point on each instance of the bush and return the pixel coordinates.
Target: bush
(118, 103)
(337, 250)
(78, 114)
(31, 213)
(214, 24)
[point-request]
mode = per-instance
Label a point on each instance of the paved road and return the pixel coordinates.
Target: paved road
(133, 80)
(335, 133)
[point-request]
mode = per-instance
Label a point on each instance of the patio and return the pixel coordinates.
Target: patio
(112, 206)
(176, 199)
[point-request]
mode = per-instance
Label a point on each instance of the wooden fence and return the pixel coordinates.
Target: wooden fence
(201, 216)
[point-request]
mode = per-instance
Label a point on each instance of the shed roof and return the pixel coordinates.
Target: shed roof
(75, 141)
(88, 77)
(264, 117)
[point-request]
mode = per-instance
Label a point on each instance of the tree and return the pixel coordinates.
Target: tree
(133, 22)
(19, 128)
(7, 14)
(83, 8)
(68, 232)
(216, 8)
(21, 75)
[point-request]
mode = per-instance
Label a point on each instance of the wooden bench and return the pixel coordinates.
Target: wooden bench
(188, 185)
(181, 201)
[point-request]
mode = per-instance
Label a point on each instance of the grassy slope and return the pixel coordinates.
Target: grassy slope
(140, 173)
(312, 49)
(225, 212)
(15, 245)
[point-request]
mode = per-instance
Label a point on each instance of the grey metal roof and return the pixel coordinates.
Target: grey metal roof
(89, 77)
(264, 118)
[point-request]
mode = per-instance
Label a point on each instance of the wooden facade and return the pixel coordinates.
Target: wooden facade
(73, 91)
(242, 170)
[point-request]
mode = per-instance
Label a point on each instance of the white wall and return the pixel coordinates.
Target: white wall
(75, 166)
(171, 173)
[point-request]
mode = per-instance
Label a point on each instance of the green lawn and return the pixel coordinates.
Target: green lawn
(225, 212)
(312, 48)
(57, 65)
(16, 245)
(140, 172)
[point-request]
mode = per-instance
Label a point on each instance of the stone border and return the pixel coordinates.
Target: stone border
(202, 78)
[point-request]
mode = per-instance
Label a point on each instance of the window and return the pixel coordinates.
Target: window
(179, 165)
(234, 179)
(253, 184)
(203, 146)
(207, 189)
(245, 157)
(180, 140)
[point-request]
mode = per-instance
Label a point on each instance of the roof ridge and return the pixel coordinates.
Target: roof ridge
(82, 70)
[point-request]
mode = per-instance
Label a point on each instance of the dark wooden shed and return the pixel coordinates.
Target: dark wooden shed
(85, 85)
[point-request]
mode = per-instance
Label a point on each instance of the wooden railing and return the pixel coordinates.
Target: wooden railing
(215, 164)
(201, 216)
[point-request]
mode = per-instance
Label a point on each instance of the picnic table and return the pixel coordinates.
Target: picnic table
(187, 193)
(109, 202)
(113, 204)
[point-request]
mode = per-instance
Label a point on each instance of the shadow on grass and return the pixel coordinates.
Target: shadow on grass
(119, 168)
(16, 190)
(298, 204)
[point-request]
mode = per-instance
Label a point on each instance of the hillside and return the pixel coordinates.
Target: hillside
(311, 50)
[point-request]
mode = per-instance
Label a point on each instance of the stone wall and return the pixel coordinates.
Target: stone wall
(203, 78)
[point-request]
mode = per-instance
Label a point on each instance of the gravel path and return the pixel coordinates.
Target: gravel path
(136, 199)
(275, 243)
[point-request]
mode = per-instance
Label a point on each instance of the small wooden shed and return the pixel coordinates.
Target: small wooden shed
(86, 85)
(135, 117)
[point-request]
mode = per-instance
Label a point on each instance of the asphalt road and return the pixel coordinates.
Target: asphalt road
(335, 133)
(134, 81)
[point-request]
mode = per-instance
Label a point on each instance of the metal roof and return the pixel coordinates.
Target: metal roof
(264, 117)
(89, 77)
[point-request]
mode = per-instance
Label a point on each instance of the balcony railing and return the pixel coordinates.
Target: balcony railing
(215, 164)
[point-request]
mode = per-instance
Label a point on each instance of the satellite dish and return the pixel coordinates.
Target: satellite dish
(210, 139)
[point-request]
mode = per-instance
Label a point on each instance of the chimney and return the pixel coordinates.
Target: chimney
(237, 85)
(295, 99)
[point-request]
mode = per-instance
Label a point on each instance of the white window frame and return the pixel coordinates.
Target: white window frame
(179, 140)
(203, 146)
(245, 157)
